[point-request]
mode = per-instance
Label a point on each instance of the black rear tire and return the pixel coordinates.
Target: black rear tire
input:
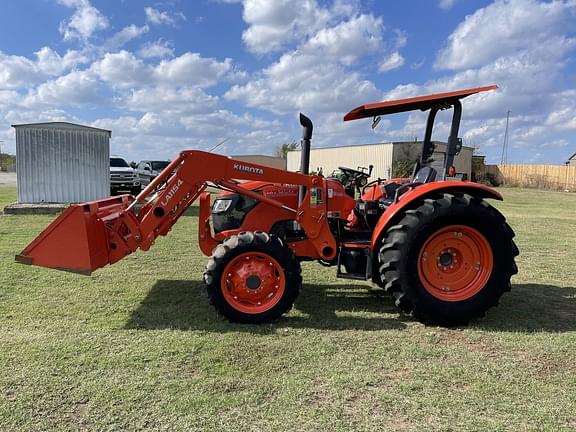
(400, 256)
(260, 245)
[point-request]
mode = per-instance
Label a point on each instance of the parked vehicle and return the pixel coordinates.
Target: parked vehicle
(432, 243)
(122, 177)
(148, 170)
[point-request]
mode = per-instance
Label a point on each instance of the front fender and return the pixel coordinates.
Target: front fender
(407, 200)
(205, 240)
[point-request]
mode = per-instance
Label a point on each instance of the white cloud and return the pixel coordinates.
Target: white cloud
(19, 116)
(524, 47)
(192, 69)
(51, 63)
(74, 89)
(446, 4)
(157, 49)
(124, 36)
(563, 114)
(299, 81)
(393, 61)
(167, 103)
(161, 135)
(504, 28)
(22, 72)
(171, 100)
(154, 16)
(348, 40)
(17, 71)
(84, 22)
(274, 25)
(123, 69)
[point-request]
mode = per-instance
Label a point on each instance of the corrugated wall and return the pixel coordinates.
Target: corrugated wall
(270, 161)
(379, 155)
(62, 165)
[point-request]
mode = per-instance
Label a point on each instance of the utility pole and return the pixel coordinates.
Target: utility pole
(1, 155)
(504, 158)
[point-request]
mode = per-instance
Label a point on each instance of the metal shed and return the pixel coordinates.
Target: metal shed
(59, 162)
(381, 155)
(269, 161)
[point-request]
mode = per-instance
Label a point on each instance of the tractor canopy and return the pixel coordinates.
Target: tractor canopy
(432, 103)
(423, 103)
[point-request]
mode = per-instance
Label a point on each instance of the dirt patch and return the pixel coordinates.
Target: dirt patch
(80, 410)
(545, 365)
(457, 337)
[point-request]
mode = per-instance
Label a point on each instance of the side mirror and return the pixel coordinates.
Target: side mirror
(458, 145)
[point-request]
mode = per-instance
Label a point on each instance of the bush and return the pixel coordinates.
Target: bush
(402, 168)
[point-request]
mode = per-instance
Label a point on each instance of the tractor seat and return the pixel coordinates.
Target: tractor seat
(425, 175)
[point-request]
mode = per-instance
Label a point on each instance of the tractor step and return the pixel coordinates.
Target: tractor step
(356, 259)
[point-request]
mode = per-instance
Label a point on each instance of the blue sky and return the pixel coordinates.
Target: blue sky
(170, 75)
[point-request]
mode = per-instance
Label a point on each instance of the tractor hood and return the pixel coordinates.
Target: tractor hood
(254, 185)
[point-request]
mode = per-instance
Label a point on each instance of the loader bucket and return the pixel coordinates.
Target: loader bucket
(77, 240)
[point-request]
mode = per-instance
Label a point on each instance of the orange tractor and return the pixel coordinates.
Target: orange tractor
(431, 242)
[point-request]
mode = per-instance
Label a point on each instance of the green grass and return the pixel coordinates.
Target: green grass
(137, 347)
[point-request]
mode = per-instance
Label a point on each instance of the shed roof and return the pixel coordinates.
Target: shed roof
(61, 125)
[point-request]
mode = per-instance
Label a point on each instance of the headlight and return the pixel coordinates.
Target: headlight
(221, 205)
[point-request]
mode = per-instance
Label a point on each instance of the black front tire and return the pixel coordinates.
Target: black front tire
(402, 244)
(258, 243)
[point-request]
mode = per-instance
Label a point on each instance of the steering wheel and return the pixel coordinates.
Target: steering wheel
(373, 182)
(353, 172)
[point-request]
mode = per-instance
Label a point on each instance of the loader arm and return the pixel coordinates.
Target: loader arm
(91, 235)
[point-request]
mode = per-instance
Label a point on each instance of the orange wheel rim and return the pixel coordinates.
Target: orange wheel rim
(253, 282)
(455, 263)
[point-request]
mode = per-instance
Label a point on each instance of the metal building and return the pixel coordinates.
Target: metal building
(269, 161)
(61, 162)
(381, 155)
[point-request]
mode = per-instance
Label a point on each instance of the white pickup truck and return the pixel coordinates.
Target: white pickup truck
(122, 177)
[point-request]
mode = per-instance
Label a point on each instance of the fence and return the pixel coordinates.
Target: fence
(560, 177)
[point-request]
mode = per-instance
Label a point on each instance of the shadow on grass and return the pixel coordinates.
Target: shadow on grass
(179, 304)
(532, 308)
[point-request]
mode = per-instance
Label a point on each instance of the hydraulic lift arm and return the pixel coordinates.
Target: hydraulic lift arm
(88, 236)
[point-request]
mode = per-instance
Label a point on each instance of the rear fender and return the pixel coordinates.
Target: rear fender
(409, 199)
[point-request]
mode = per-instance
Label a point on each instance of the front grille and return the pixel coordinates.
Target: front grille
(234, 216)
(121, 176)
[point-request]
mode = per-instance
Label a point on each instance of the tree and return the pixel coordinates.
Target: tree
(404, 162)
(283, 149)
(402, 168)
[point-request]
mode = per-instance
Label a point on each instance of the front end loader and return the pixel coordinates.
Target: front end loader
(430, 241)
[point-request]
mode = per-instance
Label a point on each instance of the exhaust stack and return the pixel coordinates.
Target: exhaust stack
(307, 129)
